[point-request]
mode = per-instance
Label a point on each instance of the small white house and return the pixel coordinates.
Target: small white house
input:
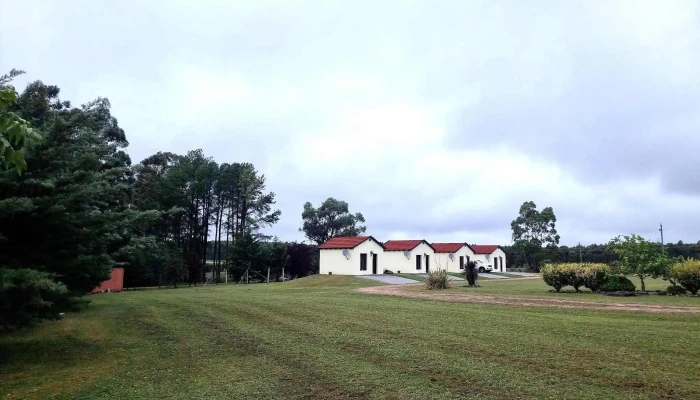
(453, 256)
(490, 254)
(356, 255)
(408, 256)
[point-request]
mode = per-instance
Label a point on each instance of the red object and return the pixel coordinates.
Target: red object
(448, 247)
(484, 248)
(114, 284)
(404, 245)
(346, 242)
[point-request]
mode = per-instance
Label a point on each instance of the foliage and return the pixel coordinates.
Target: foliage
(640, 258)
(27, 295)
(331, 219)
(687, 274)
(554, 277)
(471, 274)
(533, 230)
(617, 283)
(674, 290)
(15, 132)
(437, 279)
(69, 212)
(592, 276)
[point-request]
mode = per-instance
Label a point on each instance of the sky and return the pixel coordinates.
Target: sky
(435, 119)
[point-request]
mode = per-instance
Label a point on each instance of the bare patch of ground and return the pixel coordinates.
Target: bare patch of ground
(405, 291)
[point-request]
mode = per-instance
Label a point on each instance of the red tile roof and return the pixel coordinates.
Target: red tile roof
(484, 248)
(448, 247)
(345, 242)
(403, 245)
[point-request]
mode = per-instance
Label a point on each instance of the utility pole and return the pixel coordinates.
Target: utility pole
(661, 229)
(268, 275)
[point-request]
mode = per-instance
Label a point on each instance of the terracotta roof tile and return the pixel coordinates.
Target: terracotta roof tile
(448, 247)
(403, 245)
(484, 248)
(344, 242)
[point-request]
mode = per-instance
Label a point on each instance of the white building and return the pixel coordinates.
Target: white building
(490, 254)
(408, 256)
(452, 256)
(357, 255)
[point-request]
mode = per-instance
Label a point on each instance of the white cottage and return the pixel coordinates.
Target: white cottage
(408, 256)
(452, 256)
(490, 254)
(356, 255)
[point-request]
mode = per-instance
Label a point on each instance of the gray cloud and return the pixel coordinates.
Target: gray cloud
(434, 120)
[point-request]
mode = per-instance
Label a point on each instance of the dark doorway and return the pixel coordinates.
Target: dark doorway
(363, 261)
(461, 262)
(427, 263)
(374, 264)
(418, 266)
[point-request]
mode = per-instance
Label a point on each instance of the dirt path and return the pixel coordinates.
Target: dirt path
(404, 291)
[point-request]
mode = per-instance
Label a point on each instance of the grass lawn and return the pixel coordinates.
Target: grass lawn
(537, 288)
(317, 338)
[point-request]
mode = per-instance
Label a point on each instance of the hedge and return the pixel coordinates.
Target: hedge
(589, 275)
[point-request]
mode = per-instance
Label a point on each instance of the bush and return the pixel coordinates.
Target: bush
(687, 274)
(589, 275)
(554, 276)
(675, 290)
(594, 275)
(27, 295)
(617, 283)
(436, 279)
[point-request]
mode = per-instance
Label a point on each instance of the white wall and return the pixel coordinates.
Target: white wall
(396, 262)
(496, 253)
(333, 260)
(453, 265)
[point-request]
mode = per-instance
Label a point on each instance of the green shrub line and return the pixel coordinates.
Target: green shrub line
(683, 275)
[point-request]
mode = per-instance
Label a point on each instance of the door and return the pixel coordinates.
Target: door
(418, 260)
(374, 264)
(461, 262)
(363, 262)
(427, 263)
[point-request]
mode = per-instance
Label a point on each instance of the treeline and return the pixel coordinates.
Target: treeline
(594, 253)
(72, 207)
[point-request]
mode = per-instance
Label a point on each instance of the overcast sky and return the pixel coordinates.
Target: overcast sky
(435, 119)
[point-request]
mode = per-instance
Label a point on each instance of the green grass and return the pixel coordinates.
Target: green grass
(537, 288)
(507, 275)
(318, 338)
(415, 277)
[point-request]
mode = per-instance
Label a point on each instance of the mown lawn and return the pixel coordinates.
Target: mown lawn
(537, 288)
(317, 338)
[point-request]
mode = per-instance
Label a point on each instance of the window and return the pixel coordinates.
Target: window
(418, 261)
(461, 262)
(468, 259)
(363, 261)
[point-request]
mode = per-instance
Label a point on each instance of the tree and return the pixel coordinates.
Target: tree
(640, 258)
(15, 132)
(532, 230)
(330, 220)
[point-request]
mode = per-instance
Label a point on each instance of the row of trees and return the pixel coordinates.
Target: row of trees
(72, 207)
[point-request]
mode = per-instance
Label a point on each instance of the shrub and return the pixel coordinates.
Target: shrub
(436, 279)
(554, 276)
(674, 290)
(575, 274)
(687, 274)
(27, 295)
(594, 275)
(617, 283)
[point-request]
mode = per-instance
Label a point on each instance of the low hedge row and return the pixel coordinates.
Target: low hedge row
(590, 275)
